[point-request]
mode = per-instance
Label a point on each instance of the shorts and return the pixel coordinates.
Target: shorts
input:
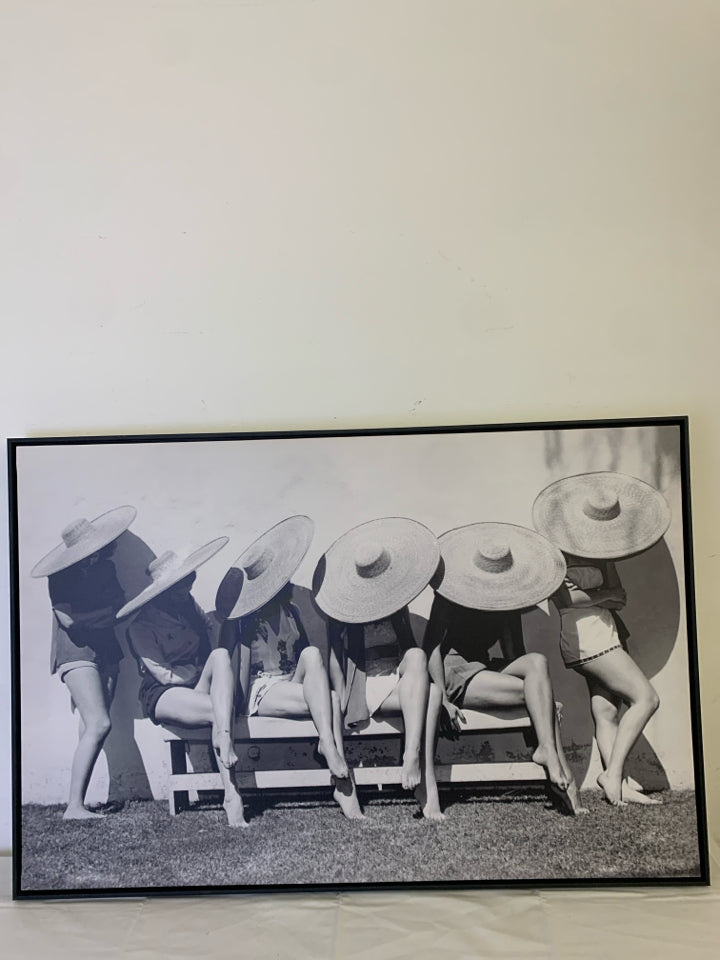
(459, 672)
(98, 648)
(378, 689)
(589, 633)
(151, 690)
(260, 686)
(107, 671)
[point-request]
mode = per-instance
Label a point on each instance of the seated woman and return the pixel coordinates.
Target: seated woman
(602, 517)
(183, 680)
(364, 583)
(85, 595)
(490, 572)
(280, 673)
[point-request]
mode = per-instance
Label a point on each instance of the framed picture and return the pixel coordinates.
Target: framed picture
(442, 656)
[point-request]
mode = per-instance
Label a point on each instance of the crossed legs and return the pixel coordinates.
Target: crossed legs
(308, 692)
(614, 678)
(419, 703)
(526, 681)
(210, 701)
(92, 694)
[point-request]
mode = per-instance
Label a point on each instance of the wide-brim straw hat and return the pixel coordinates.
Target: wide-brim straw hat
(375, 569)
(82, 538)
(169, 569)
(601, 516)
(264, 568)
(498, 566)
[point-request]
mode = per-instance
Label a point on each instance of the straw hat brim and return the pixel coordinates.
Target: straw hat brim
(643, 517)
(175, 575)
(105, 528)
(536, 571)
(346, 596)
(286, 544)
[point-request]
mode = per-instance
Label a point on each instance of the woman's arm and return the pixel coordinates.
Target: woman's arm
(570, 595)
(336, 658)
(94, 618)
(433, 644)
(146, 648)
(403, 629)
(243, 691)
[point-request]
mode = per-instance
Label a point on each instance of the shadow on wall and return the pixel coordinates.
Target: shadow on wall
(649, 454)
(126, 772)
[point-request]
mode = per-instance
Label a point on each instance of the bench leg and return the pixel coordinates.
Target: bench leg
(178, 800)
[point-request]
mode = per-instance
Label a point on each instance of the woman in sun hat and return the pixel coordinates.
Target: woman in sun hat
(364, 583)
(183, 680)
(595, 519)
(85, 595)
(280, 673)
(489, 573)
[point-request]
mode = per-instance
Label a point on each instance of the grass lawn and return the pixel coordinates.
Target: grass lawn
(493, 835)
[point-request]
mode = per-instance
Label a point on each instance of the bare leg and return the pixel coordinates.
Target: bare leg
(570, 798)
(308, 692)
(426, 793)
(88, 691)
(605, 711)
(218, 681)
(194, 708)
(524, 681)
(620, 675)
(344, 792)
(411, 696)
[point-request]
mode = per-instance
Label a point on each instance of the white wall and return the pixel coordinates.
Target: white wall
(303, 214)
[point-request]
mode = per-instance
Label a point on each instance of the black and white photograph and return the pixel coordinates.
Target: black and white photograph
(439, 656)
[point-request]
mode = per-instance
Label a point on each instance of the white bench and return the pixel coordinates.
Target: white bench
(278, 753)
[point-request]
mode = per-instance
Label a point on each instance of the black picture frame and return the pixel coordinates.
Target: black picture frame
(48, 475)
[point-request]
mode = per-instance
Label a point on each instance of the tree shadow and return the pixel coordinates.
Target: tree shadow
(126, 771)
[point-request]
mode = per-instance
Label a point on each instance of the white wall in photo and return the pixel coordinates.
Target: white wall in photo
(189, 493)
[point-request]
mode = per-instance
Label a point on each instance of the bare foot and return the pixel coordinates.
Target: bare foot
(410, 774)
(568, 799)
(81, 813)
(634, 785)
(223, 746)
(551, 762)
(630, 795)
(429, 804)
(235, 811)
(336, 765)
(612, 788)
(345, 795)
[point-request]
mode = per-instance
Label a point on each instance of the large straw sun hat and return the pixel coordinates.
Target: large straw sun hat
(498, 566)
(375, 569)
(264, 568)
(82, 538)
(601, 516)
(169, 569)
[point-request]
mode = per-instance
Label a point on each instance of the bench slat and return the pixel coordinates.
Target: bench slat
(364, 776)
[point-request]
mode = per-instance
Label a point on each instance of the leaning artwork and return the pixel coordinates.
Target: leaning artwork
(460, 655)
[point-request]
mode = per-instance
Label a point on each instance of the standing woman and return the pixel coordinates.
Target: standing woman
(490, 572)
(183, 680)
(364, 584)
(280, 673)
(595, 519)
(85, 596)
